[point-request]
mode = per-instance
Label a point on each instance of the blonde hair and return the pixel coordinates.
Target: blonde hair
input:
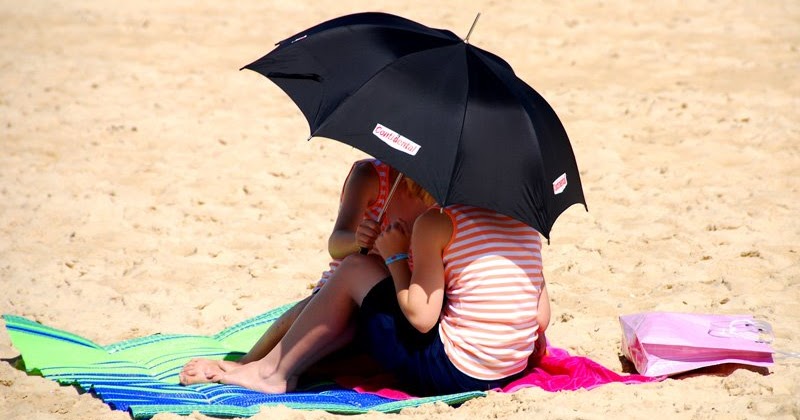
(417, 191)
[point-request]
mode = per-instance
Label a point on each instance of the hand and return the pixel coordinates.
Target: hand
(395, 239)
(367, 232)
(540, 349)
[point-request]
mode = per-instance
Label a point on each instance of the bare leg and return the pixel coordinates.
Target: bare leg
(324, 326)
(275, 332)
(198, 371)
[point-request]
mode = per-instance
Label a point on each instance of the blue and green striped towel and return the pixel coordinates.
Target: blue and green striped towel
(141, 375)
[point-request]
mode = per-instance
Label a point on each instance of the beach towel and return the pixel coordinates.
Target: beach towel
(668, 343)
(141, 375)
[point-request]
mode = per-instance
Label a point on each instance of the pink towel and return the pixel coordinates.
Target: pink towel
(556, 371)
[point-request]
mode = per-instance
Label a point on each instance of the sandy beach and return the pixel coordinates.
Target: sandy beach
(147, 185)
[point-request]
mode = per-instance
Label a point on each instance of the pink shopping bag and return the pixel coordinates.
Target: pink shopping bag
(667, 343)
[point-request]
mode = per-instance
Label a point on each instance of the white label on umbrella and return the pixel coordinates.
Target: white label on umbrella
(560, 184)
(395, 140)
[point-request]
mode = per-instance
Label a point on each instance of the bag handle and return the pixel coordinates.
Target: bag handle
(748, 329)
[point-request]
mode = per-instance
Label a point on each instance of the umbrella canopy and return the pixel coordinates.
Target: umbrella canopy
(449, 115)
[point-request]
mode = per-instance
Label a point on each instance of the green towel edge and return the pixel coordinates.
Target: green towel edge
(148, 411)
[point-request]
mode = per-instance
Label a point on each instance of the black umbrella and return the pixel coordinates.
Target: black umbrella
(449, 115)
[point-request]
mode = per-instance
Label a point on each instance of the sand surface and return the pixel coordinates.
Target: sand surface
(147, 185)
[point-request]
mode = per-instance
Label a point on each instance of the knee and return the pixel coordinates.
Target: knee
(357, 272)
(361, 266)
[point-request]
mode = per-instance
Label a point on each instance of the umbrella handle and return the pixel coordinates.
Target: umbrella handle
(365, 251)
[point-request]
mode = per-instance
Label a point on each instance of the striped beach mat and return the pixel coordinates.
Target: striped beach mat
(141, 375)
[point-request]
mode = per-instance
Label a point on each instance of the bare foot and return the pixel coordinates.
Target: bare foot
(200, 371)
(258, 376)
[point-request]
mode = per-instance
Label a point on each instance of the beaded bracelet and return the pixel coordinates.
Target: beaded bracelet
(396, 257)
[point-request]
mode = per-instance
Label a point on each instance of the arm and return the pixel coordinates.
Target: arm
(543, 319)
(543, 309)
(420, 294)
(360, 189)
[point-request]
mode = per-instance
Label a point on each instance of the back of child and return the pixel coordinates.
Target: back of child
(484, 270)
(493, 278)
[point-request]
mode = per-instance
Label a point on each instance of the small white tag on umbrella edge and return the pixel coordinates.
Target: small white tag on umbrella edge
(395, 140)
(560, 184)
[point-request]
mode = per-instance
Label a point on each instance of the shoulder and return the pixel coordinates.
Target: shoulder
(434, 226)
(363, 176)
(364, 169)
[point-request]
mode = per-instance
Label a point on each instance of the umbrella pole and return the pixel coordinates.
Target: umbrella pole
(389, 197)
(365, 251)
(474, 22)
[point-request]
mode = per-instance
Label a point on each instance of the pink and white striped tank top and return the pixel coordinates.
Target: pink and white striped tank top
(372, 211)
(493, 279)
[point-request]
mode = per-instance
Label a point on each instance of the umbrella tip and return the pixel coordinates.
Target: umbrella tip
(471, 28)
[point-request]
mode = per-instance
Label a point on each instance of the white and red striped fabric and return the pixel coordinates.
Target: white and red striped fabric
(493, 279)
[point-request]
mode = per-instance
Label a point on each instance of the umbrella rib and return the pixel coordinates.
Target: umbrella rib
(366, 82)
(465, 101)
(478, 55)
(546, 225)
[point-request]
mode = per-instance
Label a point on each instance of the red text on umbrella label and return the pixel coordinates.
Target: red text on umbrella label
(560, 184)
(395, 140)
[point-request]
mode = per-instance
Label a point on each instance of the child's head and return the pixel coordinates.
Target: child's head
(416, 190)
(409, 201)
